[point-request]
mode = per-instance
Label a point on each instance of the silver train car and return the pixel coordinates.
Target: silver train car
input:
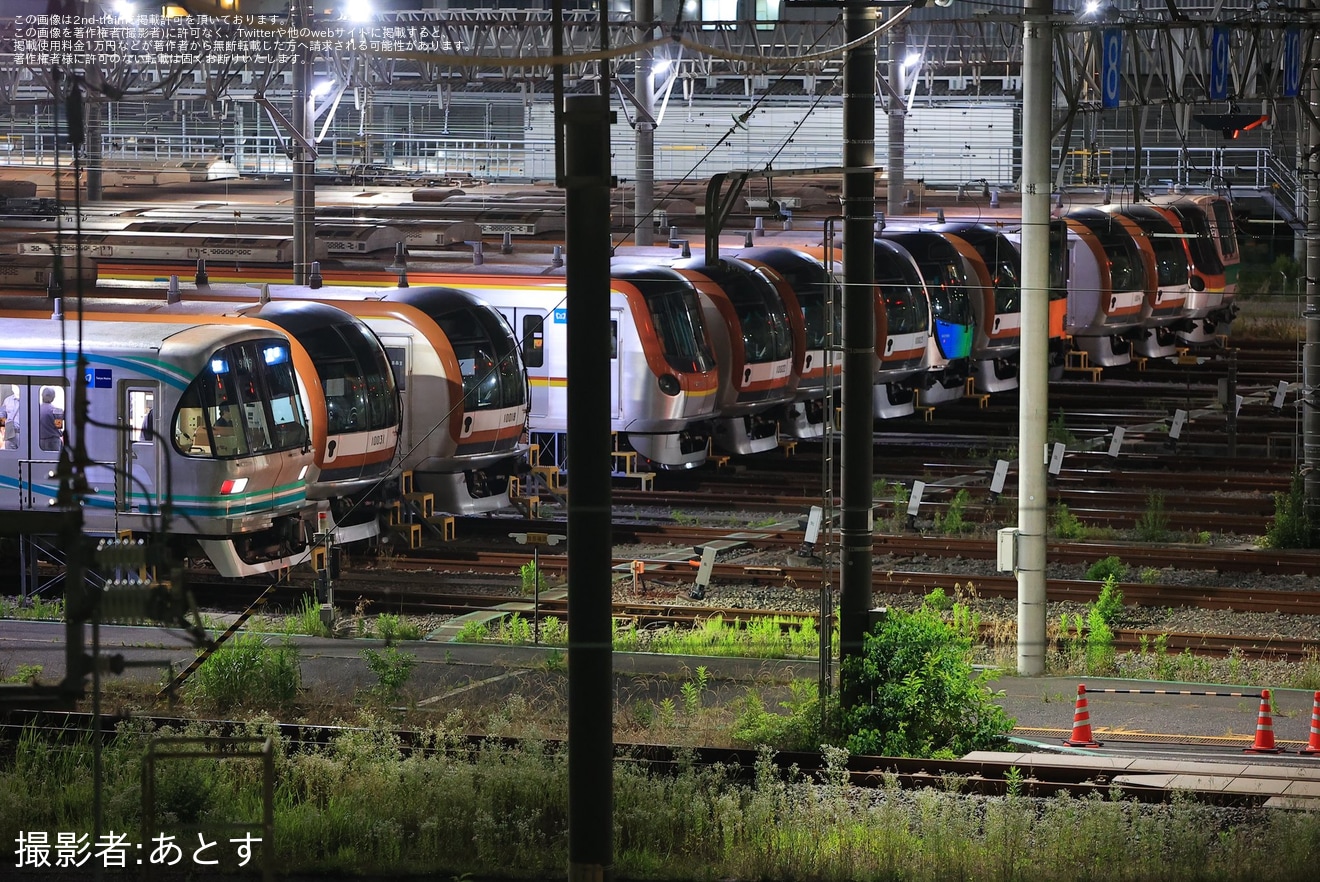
(193, 429)
(754, 351)
(340, 363)
(461, 380)
(814, 301)
(662, 370)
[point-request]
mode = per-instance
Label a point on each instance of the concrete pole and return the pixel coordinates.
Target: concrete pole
(304, 198)
(590, 546)
(857, 465)
(1033, 397)
(644, 153)
(1311, 350)
(895, 168)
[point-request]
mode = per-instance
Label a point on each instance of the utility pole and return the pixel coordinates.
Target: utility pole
(1311, 350)
(304, 161)
(644, 153)
(1033, 376)
(857, 466)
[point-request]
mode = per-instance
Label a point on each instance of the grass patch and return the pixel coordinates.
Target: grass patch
(247, 672)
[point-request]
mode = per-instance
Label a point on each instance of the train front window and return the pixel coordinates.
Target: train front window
(676, 315)
(245, 401)
(948, 292)
(1008, 288)
(1224, 227)
(1205, 257)
(359, 387)
(1170, 259)
(487, 359)
(1058, 260)
(381, 395)
(812, 298)
(345, 395)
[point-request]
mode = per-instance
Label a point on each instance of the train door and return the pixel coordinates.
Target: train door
(616, 365)
(398, 351)
(137, 488)
(13, 439)
(529, 327)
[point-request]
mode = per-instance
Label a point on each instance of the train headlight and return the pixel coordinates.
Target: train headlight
(233, 485)
(1197, 283)
(303, 473)
(669, 384)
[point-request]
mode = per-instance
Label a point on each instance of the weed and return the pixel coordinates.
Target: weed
(392, 669)
(692, 690)
(33, 609)
(1099, 645)
(1013, 780)
(246, 671)
(532, 578)
(684, 519)
(1058, 432)
(1153, 524)
(953, 520)
(1292, 527)
(937, 599)
(473, 632)
(668, 716)
(23, 674)
(1105, 568)
(1149, 576)
(306, 619)
(555, 661)
(387, 627)
(898, 508)
(1066, 524)
(1109, 605)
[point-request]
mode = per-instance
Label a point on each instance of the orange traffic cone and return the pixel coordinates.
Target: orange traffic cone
(1313, 746)
(1081, 733)
(1264, 728)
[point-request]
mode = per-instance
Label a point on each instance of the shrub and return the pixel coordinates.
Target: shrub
(1105, 568)
(915, 693)
(1058, 433)
(392, 669)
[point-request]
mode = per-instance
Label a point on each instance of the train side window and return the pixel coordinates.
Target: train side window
(50, 418)
(11, 415)
(533, 340)
(614, 338)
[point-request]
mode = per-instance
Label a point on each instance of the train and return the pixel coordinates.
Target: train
(221, 466)
(462, 382)
(340, 364)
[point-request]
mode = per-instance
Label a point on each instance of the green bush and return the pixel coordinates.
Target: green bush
(1105, 568)
(392, 669)
(915, 693)
(799, 729)
(937, 599)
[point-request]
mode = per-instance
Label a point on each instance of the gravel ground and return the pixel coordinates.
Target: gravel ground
(963, 574)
